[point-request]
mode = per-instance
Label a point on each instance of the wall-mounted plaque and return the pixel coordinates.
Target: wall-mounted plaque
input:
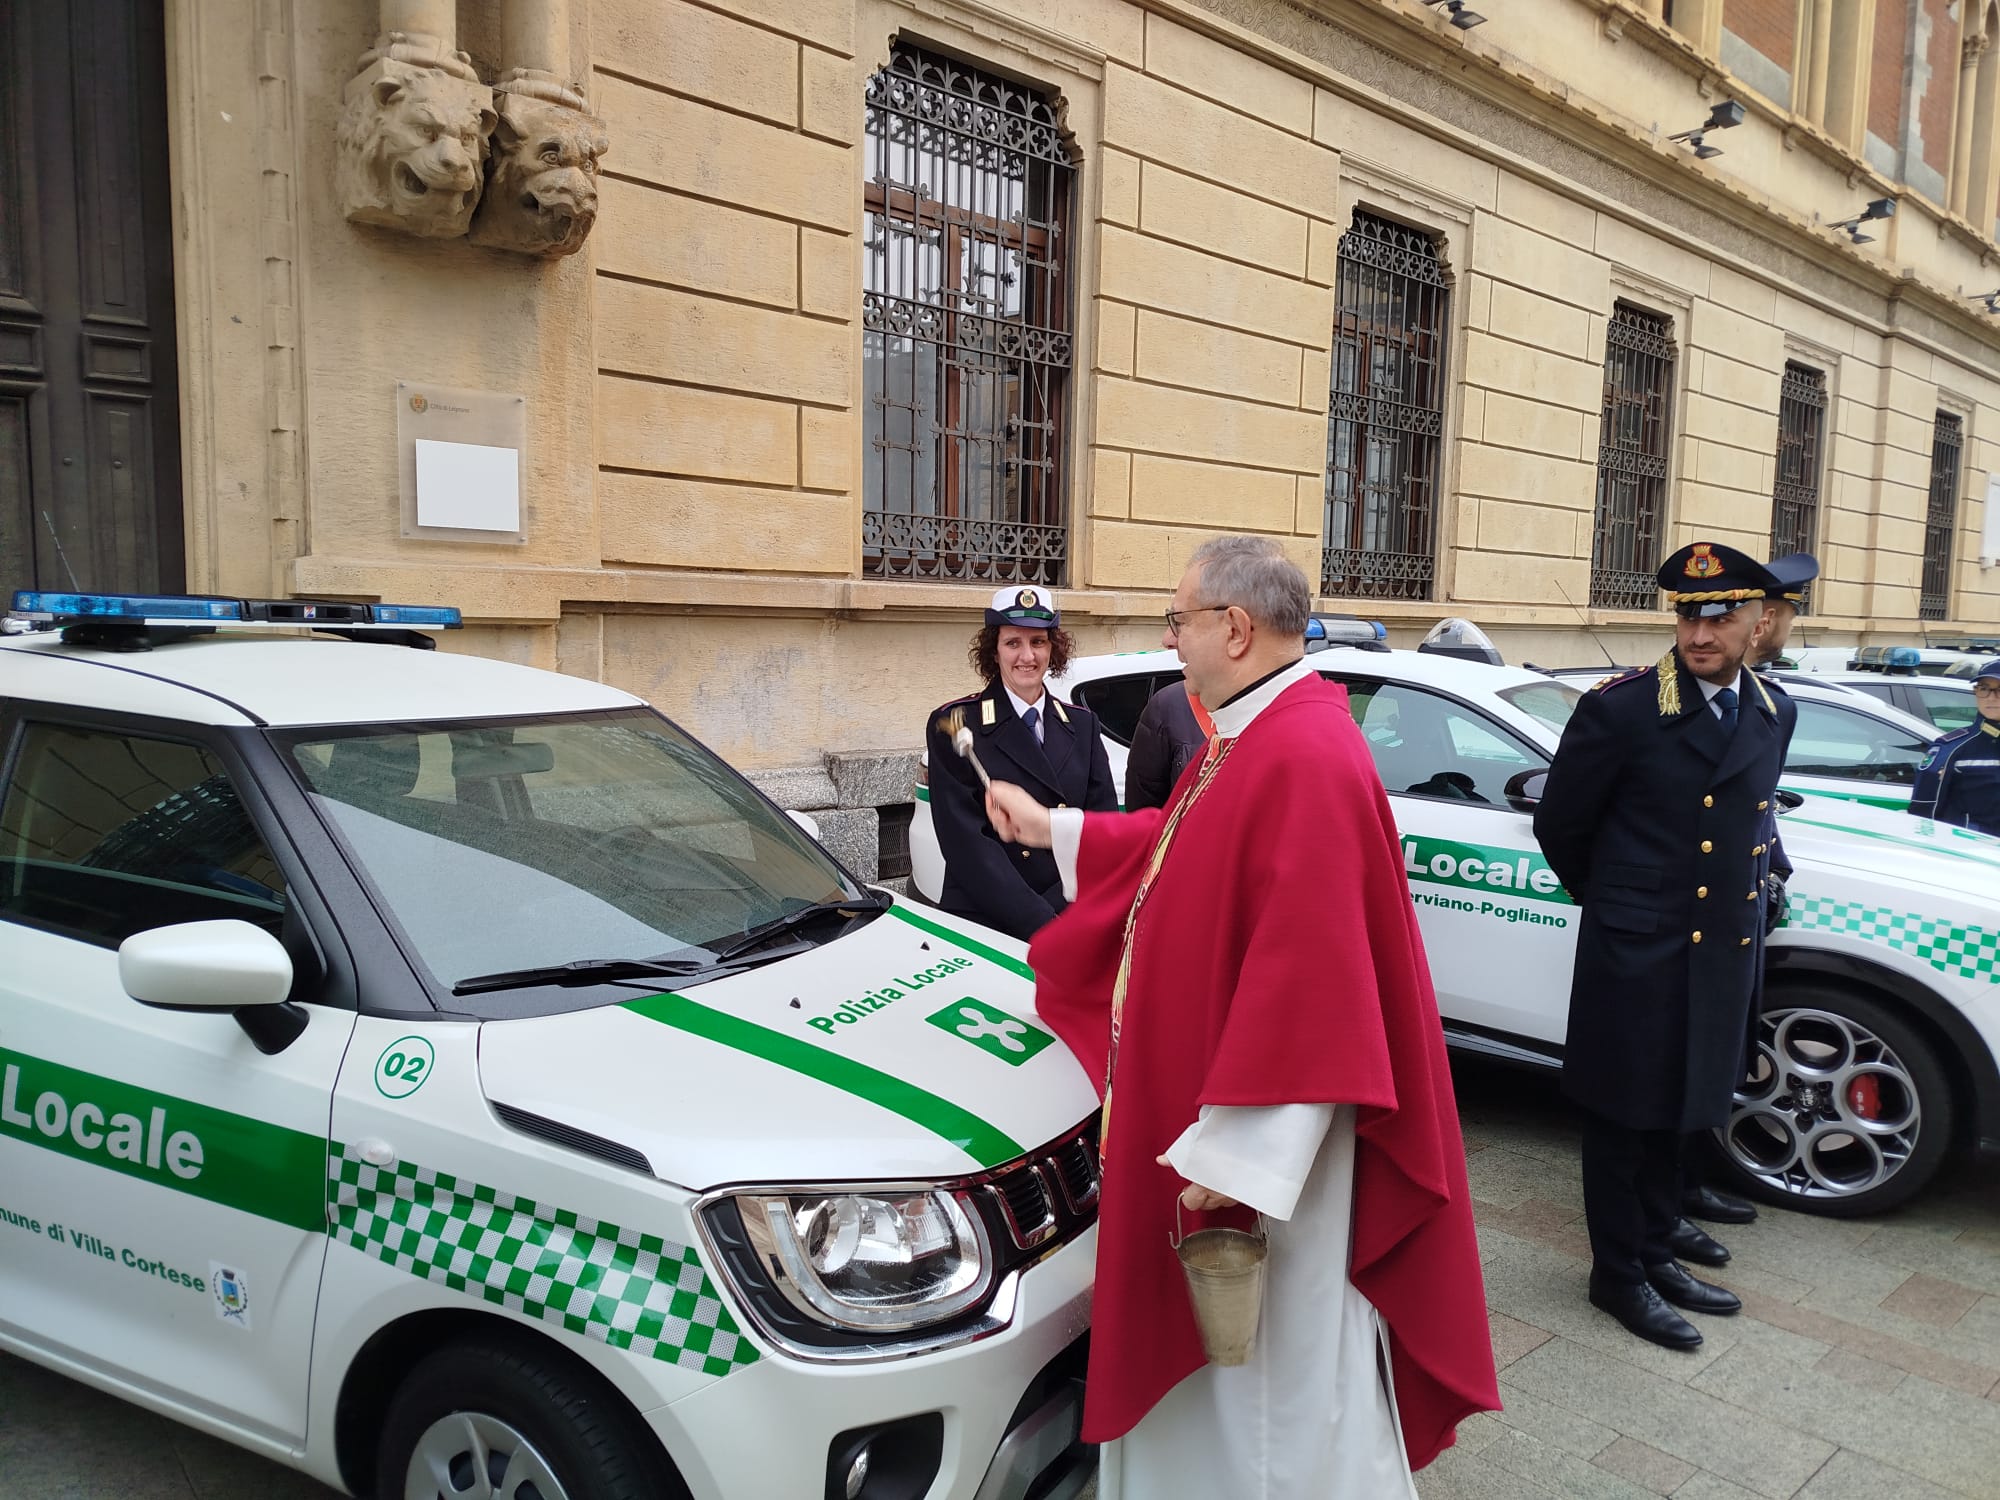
(462, 456)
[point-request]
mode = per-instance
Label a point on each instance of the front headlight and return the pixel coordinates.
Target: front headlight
(871, 1260)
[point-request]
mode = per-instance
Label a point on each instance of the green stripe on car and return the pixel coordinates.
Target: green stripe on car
(984, 1143)
(1970, 952)
(257, 1168)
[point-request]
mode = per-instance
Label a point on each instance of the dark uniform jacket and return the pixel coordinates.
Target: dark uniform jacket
(1003, 885)
(1959, 781)
(1168, 736)
(1656, 818)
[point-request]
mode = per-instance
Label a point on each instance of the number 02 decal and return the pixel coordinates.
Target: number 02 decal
(403, 1066)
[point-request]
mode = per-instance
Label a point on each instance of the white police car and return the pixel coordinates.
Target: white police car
(1879, 1046)
(1945, 702)
(448, 1077)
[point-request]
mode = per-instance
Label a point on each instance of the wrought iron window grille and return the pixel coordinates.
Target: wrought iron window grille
(966, 309)
(1633, 433)
(1385, 413)
(1941, 517)
(1801, 457)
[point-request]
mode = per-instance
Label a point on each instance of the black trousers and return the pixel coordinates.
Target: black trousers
(1631, 1197)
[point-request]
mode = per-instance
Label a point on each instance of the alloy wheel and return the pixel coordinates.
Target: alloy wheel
(1828, 1109)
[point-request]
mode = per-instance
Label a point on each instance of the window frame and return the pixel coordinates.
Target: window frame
(1424, 356)
(935, 539)
(1882, 727)
(1795, 516)
(1646, 465)
(1941, 517)
(1540, 759)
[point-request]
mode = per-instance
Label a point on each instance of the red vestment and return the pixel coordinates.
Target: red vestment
(1276, 961)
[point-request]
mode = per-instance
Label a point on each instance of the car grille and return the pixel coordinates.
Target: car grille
(1049, 1195)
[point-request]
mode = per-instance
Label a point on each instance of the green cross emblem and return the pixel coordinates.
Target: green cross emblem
(1008, 1038)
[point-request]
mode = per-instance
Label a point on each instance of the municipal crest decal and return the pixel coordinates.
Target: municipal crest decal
(232, 1294)
(1027, 599)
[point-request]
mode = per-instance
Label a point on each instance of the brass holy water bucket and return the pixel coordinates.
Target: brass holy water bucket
(1225, 1279)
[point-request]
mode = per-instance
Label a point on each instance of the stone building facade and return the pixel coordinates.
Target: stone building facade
(889, 302)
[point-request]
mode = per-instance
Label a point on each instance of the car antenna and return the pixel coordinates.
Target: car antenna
(1608, 657)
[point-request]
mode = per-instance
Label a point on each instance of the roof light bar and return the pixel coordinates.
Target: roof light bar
(189, 609)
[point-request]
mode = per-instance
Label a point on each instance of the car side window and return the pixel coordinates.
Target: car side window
(1852, 746)
(1428, 746)
(1118, 701)
(105, 834)
(1947, 709)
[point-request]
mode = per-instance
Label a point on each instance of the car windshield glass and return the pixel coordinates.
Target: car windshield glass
(518, 844)
(1948, 708)
(1549, 702)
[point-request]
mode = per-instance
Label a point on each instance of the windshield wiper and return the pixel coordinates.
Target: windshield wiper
(867, 901)
(584, 971)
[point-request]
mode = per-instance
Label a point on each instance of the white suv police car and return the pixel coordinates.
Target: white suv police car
(1879, 1045)
(443, 1076)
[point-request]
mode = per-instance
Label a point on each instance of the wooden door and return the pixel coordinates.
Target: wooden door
(90, 493)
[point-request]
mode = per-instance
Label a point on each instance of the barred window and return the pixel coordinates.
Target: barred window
(966, 325)
(1941, 520)
(1632, 460)
(1801, 441)
(1385, 414)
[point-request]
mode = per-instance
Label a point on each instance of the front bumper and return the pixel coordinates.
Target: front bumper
(1009, 1404)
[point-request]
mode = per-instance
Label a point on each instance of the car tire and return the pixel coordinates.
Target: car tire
(1845, 1110)
(499, 1419)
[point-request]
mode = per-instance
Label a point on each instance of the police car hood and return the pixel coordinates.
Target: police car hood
(906, 1049)
(1889, 845)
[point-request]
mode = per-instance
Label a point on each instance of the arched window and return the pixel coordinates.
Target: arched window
(1385, 413)
(966, 309)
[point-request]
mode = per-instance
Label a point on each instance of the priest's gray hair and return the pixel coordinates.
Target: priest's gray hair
(1253, 573)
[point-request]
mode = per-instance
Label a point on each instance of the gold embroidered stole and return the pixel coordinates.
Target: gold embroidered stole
(1212, 763)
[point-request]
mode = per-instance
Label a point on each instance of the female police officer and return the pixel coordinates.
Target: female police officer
(1023, 734)
(1959, 781)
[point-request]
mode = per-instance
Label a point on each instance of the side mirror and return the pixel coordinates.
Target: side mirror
(205, 966)
(1524, 789)
(1789, 799)
(806, 821)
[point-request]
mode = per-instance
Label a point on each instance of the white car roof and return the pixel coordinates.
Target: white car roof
(230, 678)
(1858, 679)
(1424, 668)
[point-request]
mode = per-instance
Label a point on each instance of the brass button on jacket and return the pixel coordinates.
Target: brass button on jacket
(1697, 937)
(1744, 943)
(1701, 893)
(1708, 802)
(1763, 806)
(1707, 847)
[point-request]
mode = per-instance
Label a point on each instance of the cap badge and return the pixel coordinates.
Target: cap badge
(1027, 599)
(1702, 563)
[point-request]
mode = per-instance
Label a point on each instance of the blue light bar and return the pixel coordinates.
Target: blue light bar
(441, 616)
(133, 607)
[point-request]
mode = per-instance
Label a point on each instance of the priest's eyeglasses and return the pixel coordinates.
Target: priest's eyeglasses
(1175, 616)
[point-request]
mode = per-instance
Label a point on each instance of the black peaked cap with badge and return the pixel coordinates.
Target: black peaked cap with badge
(1655, 818)
(1007, 886)
(1792, 573)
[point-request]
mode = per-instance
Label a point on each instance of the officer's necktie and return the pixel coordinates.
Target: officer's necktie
(1033, 719)
(1725, 702)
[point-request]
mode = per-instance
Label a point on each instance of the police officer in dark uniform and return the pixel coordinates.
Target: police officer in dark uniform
(1021, 733)
(1699, 1200)
(1959, 781)
(1655, 818)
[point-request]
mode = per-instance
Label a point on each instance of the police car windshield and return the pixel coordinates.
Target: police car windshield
(518, 844)
(1549, 702)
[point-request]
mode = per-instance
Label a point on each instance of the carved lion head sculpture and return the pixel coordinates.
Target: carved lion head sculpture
(541, 185)
(412, 143)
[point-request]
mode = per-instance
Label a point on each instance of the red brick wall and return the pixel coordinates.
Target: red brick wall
(1934, 113)
(1767, 25)
(1885, 81)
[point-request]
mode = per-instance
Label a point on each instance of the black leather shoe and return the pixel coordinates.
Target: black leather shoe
(1683, 1288)
(1640, 1309)
(1688, 1242)
(1705, 1202)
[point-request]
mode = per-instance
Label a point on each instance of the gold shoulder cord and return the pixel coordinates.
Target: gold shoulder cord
(1764, 693)
(1670, 686)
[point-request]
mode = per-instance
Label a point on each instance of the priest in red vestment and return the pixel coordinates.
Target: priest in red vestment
(1243, 970)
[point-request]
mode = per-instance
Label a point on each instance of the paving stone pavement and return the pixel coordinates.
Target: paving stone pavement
(1866, 1365)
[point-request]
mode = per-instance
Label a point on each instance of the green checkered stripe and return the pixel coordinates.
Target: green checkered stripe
(1973, 952)
(629, 1290)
